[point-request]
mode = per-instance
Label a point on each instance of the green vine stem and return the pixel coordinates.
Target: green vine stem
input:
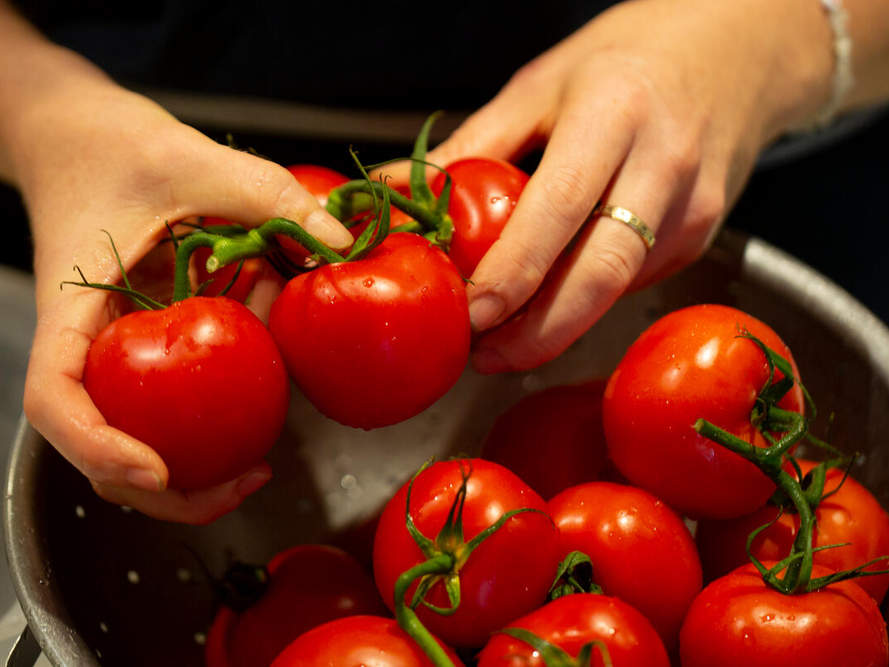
(793, 574)
(407, 618)
(344, 203)
(554, 656)
(798, 572)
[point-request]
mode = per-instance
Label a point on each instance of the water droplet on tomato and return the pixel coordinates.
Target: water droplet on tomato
(368, 282)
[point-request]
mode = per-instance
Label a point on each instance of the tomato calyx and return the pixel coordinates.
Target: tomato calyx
(555, 656)
(445, 556)
(575, 575)
(429, 213)
(783, 430)
(241, 585)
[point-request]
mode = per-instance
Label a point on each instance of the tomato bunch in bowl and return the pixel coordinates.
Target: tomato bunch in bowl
(671, 513)
(476, 567)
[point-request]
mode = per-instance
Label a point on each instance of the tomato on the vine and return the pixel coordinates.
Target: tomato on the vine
(850, 518)
(354, 641)
(201, 382)
(572, 621)
(484, 191)
(693, 364)
(738, 621)
(308, 585)
(553, 438)
(506, 575)
(375, 341)
(641, 550)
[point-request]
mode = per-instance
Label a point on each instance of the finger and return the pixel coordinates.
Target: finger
(557, 200)
(604, 263)
(505, 128)
(59, 407)
(194, 507)
(244, 188)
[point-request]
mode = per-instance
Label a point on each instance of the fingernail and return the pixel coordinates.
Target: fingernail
(487, 360)
(142, 478)
(252, 482)
(485, 310)
(327, 229)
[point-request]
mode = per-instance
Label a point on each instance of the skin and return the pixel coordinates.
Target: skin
(53, 159)
(667, 127)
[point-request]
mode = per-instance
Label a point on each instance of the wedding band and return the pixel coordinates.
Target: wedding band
(631, 220)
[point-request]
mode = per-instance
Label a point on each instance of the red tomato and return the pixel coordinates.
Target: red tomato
(201, 382)
(318, 181)
(509, 574)
(357, 641)
(553, 438)
(690, 365)
(738, 621)
(851, 515)
(308, 585)
(641, 550)
(572, 621)
(375, 341)
(484, 191)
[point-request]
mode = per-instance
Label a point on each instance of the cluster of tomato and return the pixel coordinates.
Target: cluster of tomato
(476, 559)
(487, 560)
(370, 338)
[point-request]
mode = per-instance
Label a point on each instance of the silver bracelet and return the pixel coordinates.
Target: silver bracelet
(843, 79)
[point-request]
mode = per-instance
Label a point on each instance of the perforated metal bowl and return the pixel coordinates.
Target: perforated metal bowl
(100, 585)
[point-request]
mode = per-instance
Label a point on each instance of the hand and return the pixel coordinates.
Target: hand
(89, 156)
(658, 107)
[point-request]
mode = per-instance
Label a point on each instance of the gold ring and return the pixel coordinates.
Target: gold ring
(631, 220)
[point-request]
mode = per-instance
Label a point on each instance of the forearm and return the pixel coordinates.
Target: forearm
(34, 75)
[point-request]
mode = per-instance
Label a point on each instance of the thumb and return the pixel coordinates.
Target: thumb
(248, 189)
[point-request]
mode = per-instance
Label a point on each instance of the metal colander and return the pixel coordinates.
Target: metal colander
(101, 585)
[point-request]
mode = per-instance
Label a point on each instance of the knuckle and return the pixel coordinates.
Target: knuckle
(565, 198)
(527, 265)
(707, 206)
(682, 156)
(611, 266)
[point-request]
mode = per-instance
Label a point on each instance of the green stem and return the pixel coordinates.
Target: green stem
(407, 618)
(300, 235)
(187, 245)
(339, 204)
(799, 571)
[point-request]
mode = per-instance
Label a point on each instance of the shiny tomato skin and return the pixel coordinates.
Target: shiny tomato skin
(484, 191)
(738, 621)
(642, 551)
(309, 584)
(572, 621)
(317, 180)
(691, 364)
(506, 576)
(378, 340)
(201, 382)
(357, 641)
(553, 438)
(851, 516)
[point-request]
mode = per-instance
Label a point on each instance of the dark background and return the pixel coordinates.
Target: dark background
(826, 207)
